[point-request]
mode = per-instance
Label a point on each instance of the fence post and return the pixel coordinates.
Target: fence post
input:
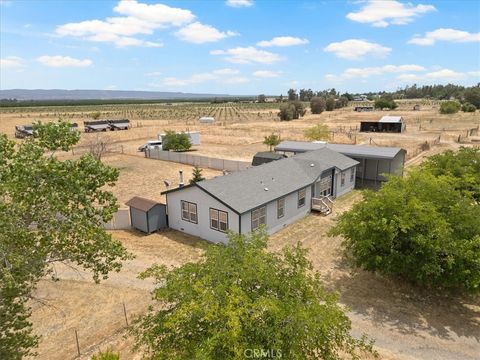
(78, 345)
(125, 313)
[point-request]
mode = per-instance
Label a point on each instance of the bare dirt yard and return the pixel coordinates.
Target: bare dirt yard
(406, 323)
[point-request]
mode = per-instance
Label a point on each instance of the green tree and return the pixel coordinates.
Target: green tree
(449, 107)
(317, 105)
(317, 132)
(176, 141)
(472, 95)
(292, 95)
(272, 140)
(467, 107)
(291, 110)
(385, 103)
(419, 228)
(241, 297)
(330, 104)
(196, 175)
(463, 165)
(50, 211)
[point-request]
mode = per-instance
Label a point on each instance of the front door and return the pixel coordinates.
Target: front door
(323, 187)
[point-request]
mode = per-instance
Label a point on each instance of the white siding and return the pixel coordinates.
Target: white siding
(292, 213)
(204, 203)
(348, 186)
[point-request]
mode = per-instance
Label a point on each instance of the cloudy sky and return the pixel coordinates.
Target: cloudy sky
(237, 46)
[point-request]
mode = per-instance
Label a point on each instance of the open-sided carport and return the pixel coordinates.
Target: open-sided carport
(374, 161)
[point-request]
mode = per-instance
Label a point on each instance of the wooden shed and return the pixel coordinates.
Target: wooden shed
(147, 215)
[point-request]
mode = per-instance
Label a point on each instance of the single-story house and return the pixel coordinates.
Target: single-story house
(264, 157)
(390, 124)
(273, 194)
(374, 161)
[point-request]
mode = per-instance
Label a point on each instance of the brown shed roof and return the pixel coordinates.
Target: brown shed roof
(140, 203)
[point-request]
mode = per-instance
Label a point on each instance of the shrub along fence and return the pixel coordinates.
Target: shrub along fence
(198, 160)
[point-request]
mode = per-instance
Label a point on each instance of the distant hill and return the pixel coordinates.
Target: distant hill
(57, 94)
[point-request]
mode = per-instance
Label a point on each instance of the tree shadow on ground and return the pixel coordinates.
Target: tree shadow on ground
(409, 309)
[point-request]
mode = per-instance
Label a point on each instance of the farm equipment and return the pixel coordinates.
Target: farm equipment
(23, 131)
(122, 124)
(104, 125)
(95, 126)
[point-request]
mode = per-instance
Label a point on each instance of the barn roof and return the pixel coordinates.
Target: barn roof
(140, 203)
(377, 152)
(391, 119)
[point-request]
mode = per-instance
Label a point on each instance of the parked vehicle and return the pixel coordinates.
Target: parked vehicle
(150, 145)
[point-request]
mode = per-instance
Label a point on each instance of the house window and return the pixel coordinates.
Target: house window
(302, 194)
(218, 220)
(189, 212)
(280, 208)
(259, 217)
(352, 174)
(342, 179)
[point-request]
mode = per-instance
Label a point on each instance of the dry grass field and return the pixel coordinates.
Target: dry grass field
(406, 323)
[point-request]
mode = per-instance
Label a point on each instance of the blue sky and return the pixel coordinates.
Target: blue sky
(238, 46)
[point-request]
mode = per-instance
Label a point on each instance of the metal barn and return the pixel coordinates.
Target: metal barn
(374, 161)
(147, 215)
(390, 124)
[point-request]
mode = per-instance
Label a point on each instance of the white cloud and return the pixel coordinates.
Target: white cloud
(265, 74)
(239, 3)
(153, 73)
(443, 34)
(248, 55)
(474, 73)
(434, 76)
(283, 41)
(354, 49)
(224, 76)
(381, 13)
(367, 72)
(138, 19)
(226, 71)
(198, 33)
(63, 61)
(12, 62)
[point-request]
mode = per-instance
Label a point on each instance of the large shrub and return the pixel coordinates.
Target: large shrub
(176, 141)
(385, 103)
(240, 298)
(449, 107)
(420, 228)
(317, 105)
(467, 107)
(291, 110)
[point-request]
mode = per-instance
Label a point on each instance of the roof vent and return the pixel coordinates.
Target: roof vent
(312, 165)
(266, 189)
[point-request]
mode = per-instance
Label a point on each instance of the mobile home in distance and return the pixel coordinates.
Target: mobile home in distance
(207, 120)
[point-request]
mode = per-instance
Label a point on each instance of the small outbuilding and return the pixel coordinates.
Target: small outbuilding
(207, 120)
(390, 124)
(266, 157)
(147, 215)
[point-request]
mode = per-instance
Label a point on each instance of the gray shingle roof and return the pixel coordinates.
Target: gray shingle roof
(140, 203)
(377, 152)
(245, 190)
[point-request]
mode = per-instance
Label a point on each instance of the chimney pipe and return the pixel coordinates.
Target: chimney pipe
(181, 179)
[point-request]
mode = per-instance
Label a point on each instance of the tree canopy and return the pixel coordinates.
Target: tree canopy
(317, 132)
(291, 110)
(240, 298)
(383, 102)
(449, 107)
(176, 141)
(317, 105)
(423, 228)
(272, 140)
(50, 211)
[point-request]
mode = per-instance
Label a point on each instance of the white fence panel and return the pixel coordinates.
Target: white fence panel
(201, 161)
